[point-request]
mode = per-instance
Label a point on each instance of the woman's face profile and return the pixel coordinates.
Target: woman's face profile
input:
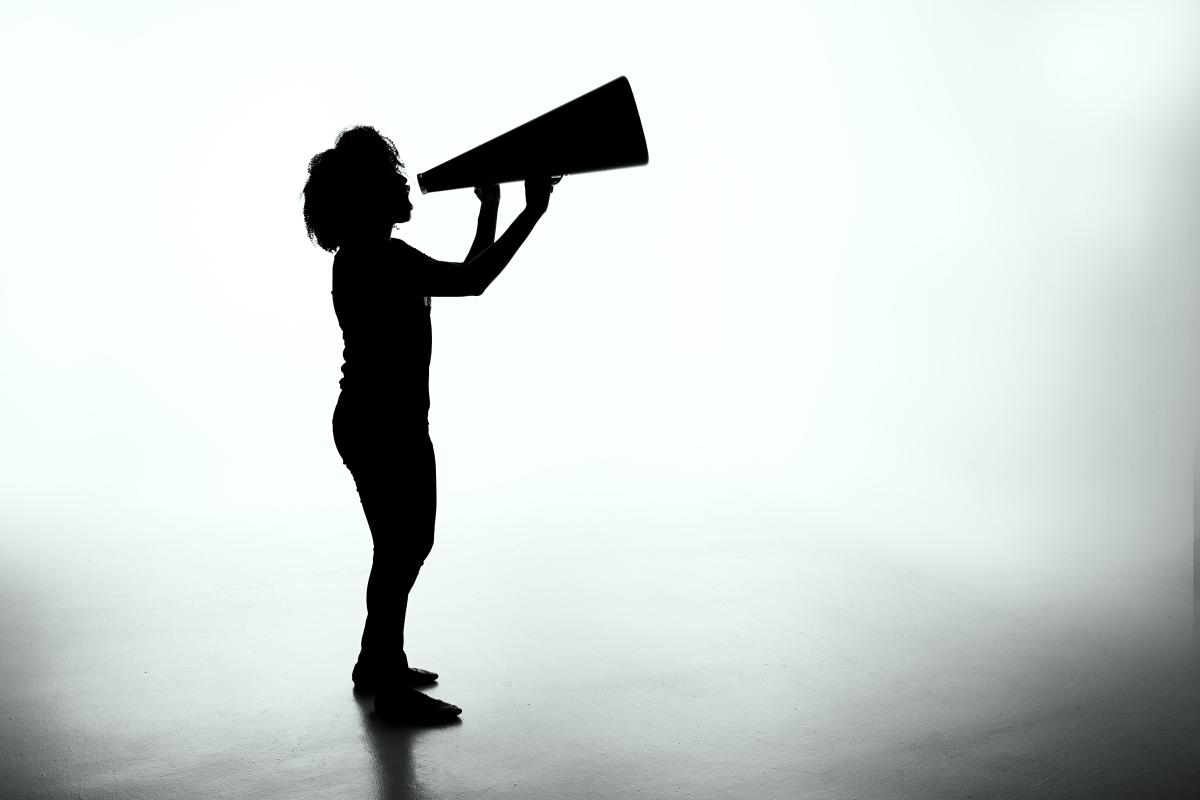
(398, 193)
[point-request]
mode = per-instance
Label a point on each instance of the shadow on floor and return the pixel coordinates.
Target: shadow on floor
(391, 745)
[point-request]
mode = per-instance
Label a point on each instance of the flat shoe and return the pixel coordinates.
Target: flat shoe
(415, 676)
(368, 680)
(405, 704)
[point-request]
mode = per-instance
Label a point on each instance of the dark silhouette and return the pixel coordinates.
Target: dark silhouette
(356, 192)
(596, 131)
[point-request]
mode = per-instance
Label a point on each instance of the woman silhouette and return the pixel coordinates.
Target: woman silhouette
(382, 287)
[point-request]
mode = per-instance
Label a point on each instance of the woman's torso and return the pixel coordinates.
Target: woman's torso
(386, 334)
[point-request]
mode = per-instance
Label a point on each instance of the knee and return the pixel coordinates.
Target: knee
(402, 556)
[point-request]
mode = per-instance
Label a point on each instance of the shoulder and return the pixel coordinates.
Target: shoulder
(385, 264)
(387, 250)
(398, 248)
(357, 252)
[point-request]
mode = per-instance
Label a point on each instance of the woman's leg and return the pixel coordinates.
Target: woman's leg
(397, 486)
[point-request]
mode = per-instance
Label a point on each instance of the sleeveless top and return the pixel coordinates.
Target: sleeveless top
(386, 331)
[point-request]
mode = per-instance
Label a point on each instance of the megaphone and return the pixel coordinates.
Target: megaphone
(596, 131)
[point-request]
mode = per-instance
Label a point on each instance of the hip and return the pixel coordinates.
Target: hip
(374, 426)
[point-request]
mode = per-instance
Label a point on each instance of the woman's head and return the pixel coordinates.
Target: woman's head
(356, 187)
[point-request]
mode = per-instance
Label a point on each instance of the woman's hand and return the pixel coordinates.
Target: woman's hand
(537, 193)
(488, 194)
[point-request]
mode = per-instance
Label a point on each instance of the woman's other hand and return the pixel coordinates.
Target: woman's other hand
(537, 193)
(489, 193)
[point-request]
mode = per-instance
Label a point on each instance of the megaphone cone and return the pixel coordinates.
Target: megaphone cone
(596, 131)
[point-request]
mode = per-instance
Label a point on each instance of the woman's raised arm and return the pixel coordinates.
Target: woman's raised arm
(473, 276)
(485, 229)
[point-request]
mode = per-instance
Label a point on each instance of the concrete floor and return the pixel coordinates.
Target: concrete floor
(788, 659)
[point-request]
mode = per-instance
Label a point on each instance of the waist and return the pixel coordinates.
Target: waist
(396, 408)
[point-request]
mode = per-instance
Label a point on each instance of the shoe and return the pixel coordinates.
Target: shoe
(415, 676)
(406, 704)
(367, 679)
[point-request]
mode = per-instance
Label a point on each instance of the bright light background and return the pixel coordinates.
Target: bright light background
(922, 268)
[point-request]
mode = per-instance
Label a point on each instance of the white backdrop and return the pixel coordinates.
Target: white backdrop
(924, 268)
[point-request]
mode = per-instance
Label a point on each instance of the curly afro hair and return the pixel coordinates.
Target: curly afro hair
(347, 184)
